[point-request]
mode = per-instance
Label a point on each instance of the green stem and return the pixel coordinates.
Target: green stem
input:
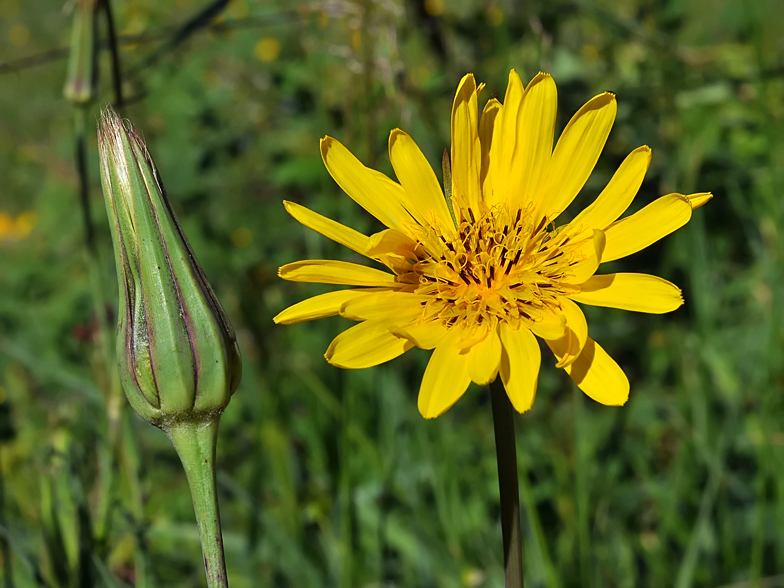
(346, 535)
(5, 548)
(195, 444)
(581, 492)
(506, 453)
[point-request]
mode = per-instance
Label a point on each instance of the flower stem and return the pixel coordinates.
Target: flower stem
(195, 444)
(506, 453)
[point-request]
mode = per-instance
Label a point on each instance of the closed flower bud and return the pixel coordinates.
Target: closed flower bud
(177, 351)
(81, 81)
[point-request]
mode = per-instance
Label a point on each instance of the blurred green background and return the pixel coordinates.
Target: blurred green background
(331, 478)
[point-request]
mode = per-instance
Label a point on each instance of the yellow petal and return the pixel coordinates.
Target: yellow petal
(394, 307)
(425, 335)
(372, 190)
(546, 324)
(484, 359)
(364, 345)
(697, 200)
(520, 362)
(633, 233)
(317, 307)
(618, 194)
(393, 249)
(424, 198)
(576, 153)
(466, 152)
(489, 131)
(587, 259)
(328, 271)
(568, 348)
(597, 374)
(390, 241)
(506, 178)
(536, 125)
(329, 228)
(445, 381)
(637, 292)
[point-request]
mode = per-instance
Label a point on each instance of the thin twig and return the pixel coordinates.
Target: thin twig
(114, 48)
(199, 21)
(51, 55)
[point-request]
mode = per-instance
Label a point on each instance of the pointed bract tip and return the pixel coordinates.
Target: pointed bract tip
(109, 124)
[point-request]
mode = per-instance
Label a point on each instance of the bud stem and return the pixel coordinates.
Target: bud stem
(195, 444)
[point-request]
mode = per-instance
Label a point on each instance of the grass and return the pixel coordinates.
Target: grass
(331, 478)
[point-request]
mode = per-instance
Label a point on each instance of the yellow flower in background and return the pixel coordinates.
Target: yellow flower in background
(16, 229)
(267, 49)
(477, 276)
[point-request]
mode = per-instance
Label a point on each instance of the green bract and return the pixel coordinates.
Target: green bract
(177, 351)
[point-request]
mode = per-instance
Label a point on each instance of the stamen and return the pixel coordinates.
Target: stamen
(494, 269)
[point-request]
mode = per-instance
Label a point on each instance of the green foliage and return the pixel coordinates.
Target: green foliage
(331, 478)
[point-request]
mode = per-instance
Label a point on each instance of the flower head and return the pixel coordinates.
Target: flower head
(479, 277)
(178, 356)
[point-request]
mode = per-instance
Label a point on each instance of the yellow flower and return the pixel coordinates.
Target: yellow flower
(478, 279)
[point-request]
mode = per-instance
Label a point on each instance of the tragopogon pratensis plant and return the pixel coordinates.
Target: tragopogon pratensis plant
(478, 273)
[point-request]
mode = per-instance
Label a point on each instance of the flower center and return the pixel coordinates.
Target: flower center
(497, 267)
